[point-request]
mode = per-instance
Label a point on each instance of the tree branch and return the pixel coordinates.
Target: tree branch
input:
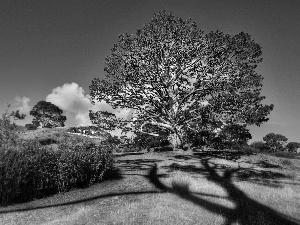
(157, 124)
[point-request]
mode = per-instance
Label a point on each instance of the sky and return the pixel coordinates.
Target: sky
(52, 50)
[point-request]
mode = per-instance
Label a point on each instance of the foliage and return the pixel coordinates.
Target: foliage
(47, 141)
(104, 120)
(292, 146)
(261, 146)
(31, 126)
(248, 149)
(33, 171)
(113, 140)
(47, 115)
(231, 136)
(202, 138)
(235, 135)
(146, 141)
(174, 76)
(288, 155)
(8, 129)
(275, 141)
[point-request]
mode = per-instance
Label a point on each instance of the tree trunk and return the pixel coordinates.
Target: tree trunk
(176, 139)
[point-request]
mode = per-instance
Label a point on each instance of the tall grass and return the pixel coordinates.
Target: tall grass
(33, 171)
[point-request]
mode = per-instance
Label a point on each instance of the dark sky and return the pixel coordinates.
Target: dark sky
(52, 49)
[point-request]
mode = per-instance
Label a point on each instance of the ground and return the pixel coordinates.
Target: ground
(177, 188)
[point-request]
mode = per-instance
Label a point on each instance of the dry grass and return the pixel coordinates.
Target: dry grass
(185, 186)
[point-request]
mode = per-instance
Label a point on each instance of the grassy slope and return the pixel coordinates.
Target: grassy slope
(185, 190)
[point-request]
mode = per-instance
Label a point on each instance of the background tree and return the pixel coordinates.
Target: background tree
(275, 142)
(292, 146)
(30, 126)
(235, 135)
(16, 115)
(47, 115)
(178, 78)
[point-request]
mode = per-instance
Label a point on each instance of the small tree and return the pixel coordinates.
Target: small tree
(235, 135)
(47, 115)
(292, 146)
(275, 141)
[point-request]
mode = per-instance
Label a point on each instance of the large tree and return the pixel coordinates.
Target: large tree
(47, 115)
(174, 76)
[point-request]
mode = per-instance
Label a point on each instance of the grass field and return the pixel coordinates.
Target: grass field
(176, 188)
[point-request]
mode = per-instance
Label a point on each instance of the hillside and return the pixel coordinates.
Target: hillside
(177, 188)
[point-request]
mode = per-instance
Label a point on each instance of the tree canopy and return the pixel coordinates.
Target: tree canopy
(104, 120)
(292, 146)
(47, 115)
(275, 141)
(235, 135)
(174, 76)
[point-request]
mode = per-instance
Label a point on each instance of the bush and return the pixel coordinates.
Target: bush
(31, 126)
(261, 146)
(248, 149)
(146, 141)
(288, 155)
(47, 141)
(32, 171)
(292, 146)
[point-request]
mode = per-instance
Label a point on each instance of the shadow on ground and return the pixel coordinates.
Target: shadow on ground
(228, 155)
(135, 165)
(246, 211)
(261, 173)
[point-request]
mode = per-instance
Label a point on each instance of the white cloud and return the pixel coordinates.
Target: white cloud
(76, 104)
(22, 104)
(70, 98)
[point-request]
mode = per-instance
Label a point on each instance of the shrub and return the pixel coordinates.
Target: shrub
(248, 149)
(292, 146)
(261, 146)
(286, 162)
(47, 141)
(32, 171)
(31, 126)
(288, 155)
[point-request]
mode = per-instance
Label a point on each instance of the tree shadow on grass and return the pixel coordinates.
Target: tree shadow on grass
(261, 172)
(222, 154)
(136, 165)
(246, 211)
(113, 174)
